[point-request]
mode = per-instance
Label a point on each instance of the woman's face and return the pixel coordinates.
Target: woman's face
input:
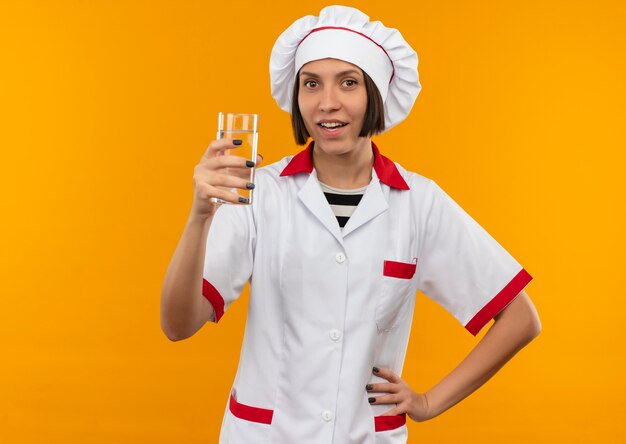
(332, 101)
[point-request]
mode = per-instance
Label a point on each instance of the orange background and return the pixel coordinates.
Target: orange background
(106, 107)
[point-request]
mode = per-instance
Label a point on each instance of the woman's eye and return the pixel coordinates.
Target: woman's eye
(350, 82)
(310, 83)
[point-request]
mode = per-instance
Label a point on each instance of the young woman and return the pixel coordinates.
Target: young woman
(335, 246)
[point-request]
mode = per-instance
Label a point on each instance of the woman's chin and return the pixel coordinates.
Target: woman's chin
(336, 147)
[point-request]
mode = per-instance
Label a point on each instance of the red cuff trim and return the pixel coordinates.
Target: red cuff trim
(384, 423)
(214, 297)
(400, 270)
(501, 300)
(249, 413)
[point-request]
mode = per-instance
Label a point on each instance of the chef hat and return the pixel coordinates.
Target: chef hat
(347, 34)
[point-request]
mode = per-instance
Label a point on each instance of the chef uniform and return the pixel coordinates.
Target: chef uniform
(327, 304)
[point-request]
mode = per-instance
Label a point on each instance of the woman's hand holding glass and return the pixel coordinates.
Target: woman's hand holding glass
(217, 174)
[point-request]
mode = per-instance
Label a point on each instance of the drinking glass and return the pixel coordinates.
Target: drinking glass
(245, 128)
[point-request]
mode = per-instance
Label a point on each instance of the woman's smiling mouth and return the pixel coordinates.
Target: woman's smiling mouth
(331, 126)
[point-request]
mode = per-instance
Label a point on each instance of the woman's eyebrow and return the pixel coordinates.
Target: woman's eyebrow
(347, 72)
(339, 74)
(309, 74)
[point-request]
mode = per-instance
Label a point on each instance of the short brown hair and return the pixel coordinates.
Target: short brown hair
(373, 121)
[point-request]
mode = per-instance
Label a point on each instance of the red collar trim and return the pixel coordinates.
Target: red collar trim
(385, 169)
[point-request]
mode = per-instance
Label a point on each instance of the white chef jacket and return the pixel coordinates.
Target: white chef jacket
(326, 305)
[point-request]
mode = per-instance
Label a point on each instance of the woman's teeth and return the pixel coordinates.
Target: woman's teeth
(332, 124)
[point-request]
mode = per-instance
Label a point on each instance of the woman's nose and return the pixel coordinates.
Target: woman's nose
(329, 101)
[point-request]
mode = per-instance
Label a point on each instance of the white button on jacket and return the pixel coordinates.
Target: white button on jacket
(335, 334)
(315, 328)
(327, 415)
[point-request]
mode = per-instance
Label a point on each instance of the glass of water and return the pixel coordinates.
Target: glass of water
(245, 128)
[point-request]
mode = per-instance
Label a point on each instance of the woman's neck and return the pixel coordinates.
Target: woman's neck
(345, 171)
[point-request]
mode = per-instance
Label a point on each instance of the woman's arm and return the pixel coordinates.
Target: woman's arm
(184, 310)
(514, 328)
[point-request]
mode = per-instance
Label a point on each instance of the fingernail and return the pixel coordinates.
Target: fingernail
(371, 400)
(243, 200)
(250, 185)
(369, 387)
(249, 163)
(375, 369)
(260, 155)
(237, 142)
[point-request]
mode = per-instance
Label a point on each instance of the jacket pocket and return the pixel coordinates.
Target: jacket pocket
(248, 423)
(400, 270)
(395, 292)
(390, 429)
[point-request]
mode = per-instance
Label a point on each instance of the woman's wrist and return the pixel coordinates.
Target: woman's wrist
(432, 407)
(199, 219)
